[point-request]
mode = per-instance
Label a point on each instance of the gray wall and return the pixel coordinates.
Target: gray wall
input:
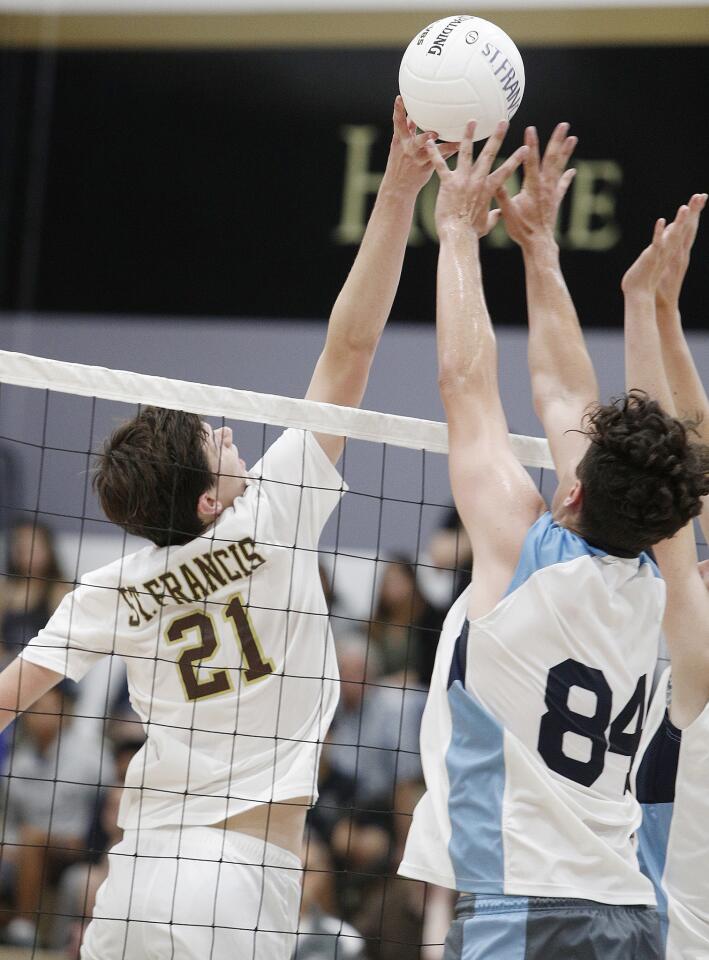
(271, 357)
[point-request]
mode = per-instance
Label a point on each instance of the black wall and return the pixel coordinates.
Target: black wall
(213, 183)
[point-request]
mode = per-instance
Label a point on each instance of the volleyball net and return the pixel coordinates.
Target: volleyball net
(392, 559)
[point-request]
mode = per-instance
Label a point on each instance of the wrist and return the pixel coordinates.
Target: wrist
(400, 185)
(457, 232)
(667, 304)
(540, 247)
(639, 292)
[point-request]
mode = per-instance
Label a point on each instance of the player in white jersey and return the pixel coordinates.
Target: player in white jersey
(223, 627)
(672, 780)
(543, 668)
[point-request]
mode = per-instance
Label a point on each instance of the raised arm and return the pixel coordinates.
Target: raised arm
(688, 391)
(494, 494)
(687, 613)
(363, 306)
(563, 380)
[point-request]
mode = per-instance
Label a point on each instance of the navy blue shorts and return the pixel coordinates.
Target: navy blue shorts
(546, 928)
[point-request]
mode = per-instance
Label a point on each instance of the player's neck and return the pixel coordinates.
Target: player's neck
(569, 519)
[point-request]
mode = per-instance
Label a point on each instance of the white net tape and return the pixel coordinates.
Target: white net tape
(122, 385)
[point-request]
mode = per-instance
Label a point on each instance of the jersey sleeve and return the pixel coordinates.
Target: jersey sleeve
(301, 486)
(78, 634)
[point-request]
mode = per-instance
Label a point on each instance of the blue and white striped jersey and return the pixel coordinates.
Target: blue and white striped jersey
(533, 718)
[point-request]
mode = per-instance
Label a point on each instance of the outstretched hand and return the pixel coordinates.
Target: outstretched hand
(671, 281)
(409, 160)
(465, 193)
(667, 241)
(533, 211)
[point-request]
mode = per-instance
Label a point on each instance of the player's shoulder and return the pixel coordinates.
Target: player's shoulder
(296, 456)
(549, 544)
(118, 571)
(291, 442)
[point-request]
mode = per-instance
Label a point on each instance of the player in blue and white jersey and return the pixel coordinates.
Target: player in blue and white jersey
(223, 626)
(672, 779)
(544, 665)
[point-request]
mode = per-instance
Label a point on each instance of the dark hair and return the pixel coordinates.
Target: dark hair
(643, 477)
(151, 473)
(53, 572)
(383, 610)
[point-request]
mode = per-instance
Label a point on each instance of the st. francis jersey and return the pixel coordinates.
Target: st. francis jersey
(230, 660)
(533, 717)
(672, 784)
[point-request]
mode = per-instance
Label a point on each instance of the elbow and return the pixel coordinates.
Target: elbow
(354, 341)
(462, 372)
(541, 403)
(551, 392)
(455, 380)
(350, 354)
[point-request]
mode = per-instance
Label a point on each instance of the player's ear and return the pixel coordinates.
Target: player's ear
(574, 497)
(208, 506)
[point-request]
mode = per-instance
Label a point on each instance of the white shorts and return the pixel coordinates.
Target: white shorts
(195, 892)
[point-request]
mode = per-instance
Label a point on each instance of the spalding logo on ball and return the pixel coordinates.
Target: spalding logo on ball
(459, 69)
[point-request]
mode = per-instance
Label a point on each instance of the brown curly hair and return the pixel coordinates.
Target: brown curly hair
(151, 473)
(643, 475)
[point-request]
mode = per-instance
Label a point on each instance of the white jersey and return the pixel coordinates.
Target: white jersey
(230, 660)
(672, 784)
(533, 717)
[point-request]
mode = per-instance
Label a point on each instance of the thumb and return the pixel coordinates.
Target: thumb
(493, 218)
(503, 198)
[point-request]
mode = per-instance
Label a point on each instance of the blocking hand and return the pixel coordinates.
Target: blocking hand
(409, 162)
(533, 211)
(667, 240)
(671, 281)
(465, 193)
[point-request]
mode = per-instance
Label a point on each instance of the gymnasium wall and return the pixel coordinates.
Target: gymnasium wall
(237, 180)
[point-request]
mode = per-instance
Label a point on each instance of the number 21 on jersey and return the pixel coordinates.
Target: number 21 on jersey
(202, 626)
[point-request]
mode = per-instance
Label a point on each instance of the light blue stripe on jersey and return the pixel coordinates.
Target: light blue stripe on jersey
(501, 934)
(653, 840)
(548, 543)
(476, 773)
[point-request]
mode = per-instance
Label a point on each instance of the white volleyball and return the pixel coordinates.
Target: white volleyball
(458, 69)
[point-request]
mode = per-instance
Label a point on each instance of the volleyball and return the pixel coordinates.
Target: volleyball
(458, 69)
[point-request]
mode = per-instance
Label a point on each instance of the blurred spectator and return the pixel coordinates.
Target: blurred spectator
(373, 753)
(374, 738)
(32, 588)
(341, 617)
(437, 917)
(51, 792)
(336, 789)
(79, 885)
(321, 936)
(405, 626)
(450, 556)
